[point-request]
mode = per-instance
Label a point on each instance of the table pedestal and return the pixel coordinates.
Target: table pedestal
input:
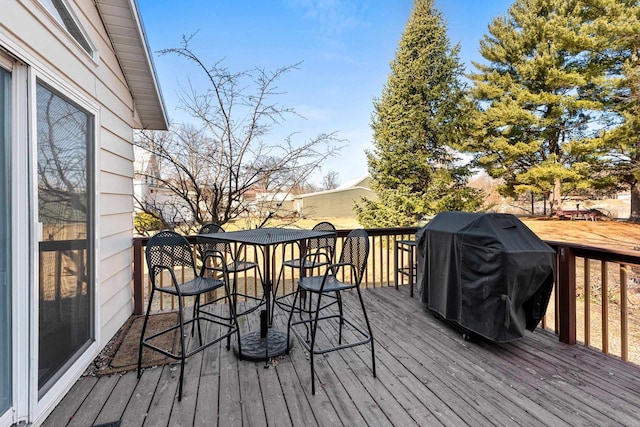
(254, 347)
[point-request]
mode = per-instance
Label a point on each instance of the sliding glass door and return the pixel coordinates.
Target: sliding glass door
(6, 347)
(65, 208)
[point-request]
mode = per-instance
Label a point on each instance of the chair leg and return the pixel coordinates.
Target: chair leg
(373, 358)
(313, 377)
(197, 314)
(233, 320)
(183, 349)
(339, 297)
(295, 298)
(366, 319)
(306, 298)
(144, 328)
(314, 330)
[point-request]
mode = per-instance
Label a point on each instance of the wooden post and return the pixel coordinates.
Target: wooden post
(587, 302)
(604, 304)
(624, 314)
(138, 278)
(567, 295)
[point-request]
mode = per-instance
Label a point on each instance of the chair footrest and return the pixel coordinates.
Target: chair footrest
(232, 330)
(307, 345)
(287, 305)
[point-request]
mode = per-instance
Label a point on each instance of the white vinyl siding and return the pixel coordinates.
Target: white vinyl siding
(28, 32)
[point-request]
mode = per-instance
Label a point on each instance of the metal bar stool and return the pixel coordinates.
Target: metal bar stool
(403, 247)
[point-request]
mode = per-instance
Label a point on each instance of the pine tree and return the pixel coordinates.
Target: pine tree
(417, 123)
(612, 38)
(536, 129)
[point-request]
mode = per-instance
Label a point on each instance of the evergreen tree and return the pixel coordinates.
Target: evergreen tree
(611, 36)
(417, 124)
(537, 128)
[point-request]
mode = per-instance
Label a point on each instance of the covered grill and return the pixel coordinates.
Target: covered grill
(489, 273)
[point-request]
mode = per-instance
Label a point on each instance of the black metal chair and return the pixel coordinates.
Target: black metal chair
(318, 252)
(352, 264)
(232, 263)
(170, 252)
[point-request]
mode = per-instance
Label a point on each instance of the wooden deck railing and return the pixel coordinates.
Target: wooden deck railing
(578, 312)
(595, 291)
(380, 267)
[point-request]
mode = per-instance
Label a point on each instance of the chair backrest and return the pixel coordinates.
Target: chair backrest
(205, 247)
(323, 243)
(169, 249)
(355, 251)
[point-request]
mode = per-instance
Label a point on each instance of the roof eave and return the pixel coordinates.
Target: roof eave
(125, 29)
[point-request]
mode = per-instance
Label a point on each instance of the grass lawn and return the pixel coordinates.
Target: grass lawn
(611, 234)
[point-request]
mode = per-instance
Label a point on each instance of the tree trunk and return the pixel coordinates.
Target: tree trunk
(634, 216)
(555, 202)
(533, 204)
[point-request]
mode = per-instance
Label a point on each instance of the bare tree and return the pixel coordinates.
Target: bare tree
(330, 180)
(220, 167)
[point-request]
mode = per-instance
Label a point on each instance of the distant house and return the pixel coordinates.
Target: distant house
(334, 203)
(76, 77)
(151, 192)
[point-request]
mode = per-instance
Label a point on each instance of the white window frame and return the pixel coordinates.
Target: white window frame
(94, 51)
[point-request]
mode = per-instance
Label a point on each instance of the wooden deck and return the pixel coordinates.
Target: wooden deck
(427, 375)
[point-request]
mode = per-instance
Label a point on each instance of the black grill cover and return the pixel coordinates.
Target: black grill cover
(489, 273)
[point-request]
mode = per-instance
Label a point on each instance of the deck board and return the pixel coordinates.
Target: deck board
(94, 402)
(116, 404)
(252, 389)
(426, 375)
(138, 406)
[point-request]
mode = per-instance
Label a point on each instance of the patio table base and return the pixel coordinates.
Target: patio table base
(254, 348)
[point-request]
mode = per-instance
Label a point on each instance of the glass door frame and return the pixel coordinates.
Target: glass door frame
(25, 236)
(6, 66)
(40, 406)
(19, 223)
(26, 70)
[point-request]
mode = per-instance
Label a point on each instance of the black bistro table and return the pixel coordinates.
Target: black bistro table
(268, 342)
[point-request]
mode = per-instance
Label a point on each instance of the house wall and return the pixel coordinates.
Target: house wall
(331, 203)
(29, 33)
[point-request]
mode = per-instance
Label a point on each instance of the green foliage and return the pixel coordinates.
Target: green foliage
(614, 30)
(418, 122)
(527, 97)
(558, 102)
(146, 224)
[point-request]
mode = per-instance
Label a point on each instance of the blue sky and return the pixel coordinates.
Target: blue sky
(345, 47)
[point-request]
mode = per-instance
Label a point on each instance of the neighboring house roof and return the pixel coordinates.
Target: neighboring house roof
(362, 181)
(124, 26)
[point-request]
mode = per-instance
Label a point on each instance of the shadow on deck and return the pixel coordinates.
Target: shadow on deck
(427, 375)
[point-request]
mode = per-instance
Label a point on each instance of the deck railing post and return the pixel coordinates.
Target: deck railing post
(138, 278)
(567, 295)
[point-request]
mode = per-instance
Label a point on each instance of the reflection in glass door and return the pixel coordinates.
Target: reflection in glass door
(65, 141)
(5, 246)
